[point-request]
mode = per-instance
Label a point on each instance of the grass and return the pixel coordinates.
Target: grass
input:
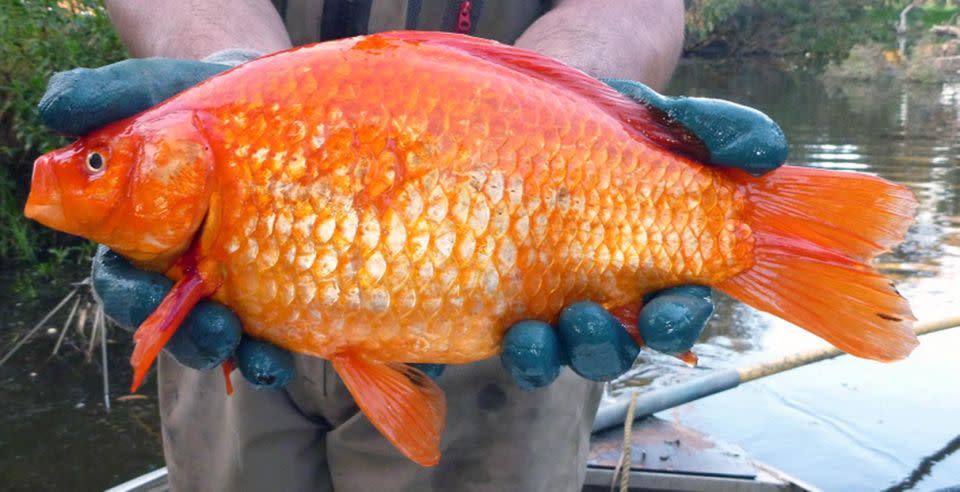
(18, 241)
(37, 39)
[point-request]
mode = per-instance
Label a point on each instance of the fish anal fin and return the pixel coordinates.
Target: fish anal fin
(405, 405)
(628, 314)
(640, 120)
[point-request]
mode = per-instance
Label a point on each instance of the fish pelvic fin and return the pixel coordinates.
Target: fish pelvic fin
(405, 405)
(198, 281)
(815, 232)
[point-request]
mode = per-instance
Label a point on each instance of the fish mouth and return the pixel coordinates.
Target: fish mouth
(45, 202)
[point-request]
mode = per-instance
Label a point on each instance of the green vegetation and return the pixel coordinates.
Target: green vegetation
(929, 61)
(37, 39)
(819, 30)
(866, 61)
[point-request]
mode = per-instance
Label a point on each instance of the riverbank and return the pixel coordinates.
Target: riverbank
(931, 62)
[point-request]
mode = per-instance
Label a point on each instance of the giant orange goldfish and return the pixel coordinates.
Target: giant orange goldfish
(405, 197)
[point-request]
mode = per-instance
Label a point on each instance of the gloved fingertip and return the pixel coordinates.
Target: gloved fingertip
(737, 136)
(57, 106)
(81, 100)
(597, 345)
(263, 364)
(207, 337)
(700, 291)
(757, 152)
(672, 323)
(432, 371)
(531, 354)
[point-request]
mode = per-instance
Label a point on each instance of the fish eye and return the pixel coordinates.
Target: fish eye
(95, 162)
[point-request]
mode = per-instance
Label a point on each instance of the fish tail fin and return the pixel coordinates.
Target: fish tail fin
(815, 233)
(405, 405)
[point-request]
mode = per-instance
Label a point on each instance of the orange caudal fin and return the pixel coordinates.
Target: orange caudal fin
(815, 232)
(406, 406)
(163, 322)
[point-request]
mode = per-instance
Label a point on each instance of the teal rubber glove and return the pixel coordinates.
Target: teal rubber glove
(81, 100)
(736, 136)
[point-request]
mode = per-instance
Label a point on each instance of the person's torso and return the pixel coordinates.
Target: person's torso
(309, 21)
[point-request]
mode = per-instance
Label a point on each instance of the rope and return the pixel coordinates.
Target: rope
(626, 459)
(764, 369)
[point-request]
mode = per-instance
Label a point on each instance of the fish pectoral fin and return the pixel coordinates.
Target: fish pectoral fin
(405, 405)
(195, 284)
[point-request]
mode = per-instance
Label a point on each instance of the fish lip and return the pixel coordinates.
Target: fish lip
(45, 201)
(48, 214)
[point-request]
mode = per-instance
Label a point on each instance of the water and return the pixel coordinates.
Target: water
(55, 433)
(843, 424)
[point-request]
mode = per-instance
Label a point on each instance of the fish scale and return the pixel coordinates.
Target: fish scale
(420, 227)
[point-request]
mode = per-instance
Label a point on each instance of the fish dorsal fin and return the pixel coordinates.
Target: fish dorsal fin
(644, 121)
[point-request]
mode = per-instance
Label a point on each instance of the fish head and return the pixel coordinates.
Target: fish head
(140, 186)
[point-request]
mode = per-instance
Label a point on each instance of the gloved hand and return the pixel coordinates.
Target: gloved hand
(82, 100)
(588, 338)
(736, 136)
(592, 341)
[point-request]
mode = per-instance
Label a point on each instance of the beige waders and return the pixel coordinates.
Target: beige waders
(311, 436)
